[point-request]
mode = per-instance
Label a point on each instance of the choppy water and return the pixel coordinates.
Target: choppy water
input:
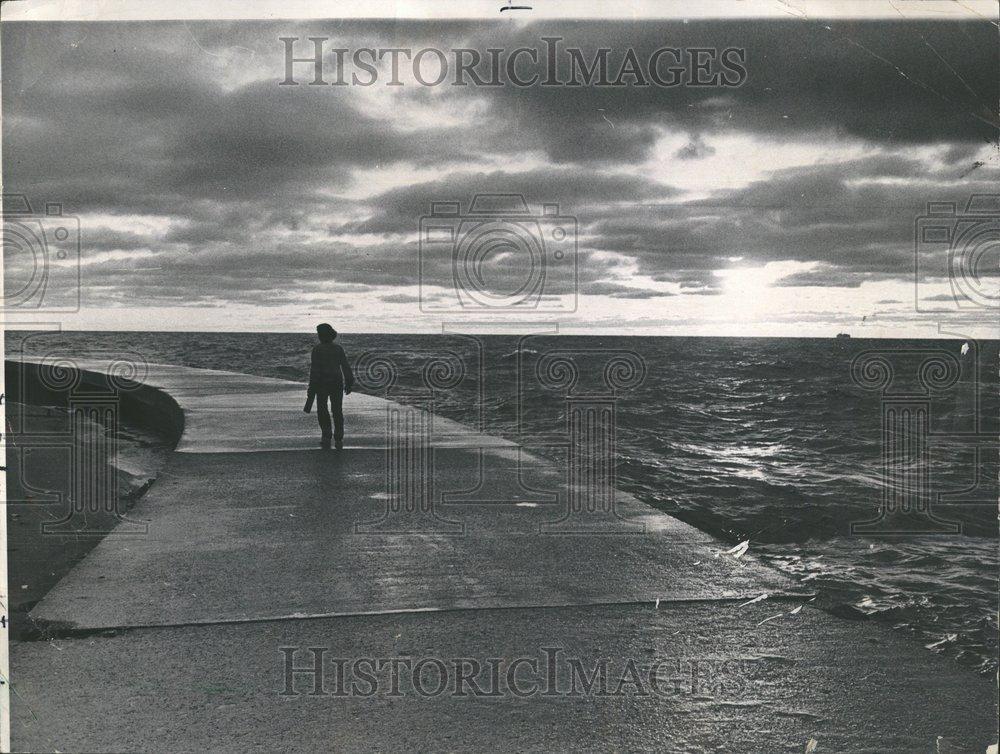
(770, 440)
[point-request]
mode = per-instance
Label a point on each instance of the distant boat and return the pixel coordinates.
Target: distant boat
(842, 336)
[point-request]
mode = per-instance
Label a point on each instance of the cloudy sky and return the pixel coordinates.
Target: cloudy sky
(211, 198)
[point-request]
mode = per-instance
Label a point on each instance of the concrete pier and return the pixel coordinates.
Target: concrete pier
(254, 546)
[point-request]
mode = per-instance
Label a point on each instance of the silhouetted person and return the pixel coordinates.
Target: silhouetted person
(330, 378)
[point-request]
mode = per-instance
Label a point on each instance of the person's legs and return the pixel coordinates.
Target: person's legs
(323, 414)
(337, 404)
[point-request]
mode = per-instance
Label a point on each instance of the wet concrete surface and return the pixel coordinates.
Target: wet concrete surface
(239, 536)
(709, 677)
(171, 640)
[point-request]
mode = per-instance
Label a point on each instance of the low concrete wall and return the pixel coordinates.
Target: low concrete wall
(139, 404)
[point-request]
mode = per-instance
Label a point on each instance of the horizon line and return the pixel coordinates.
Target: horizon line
(472, 331)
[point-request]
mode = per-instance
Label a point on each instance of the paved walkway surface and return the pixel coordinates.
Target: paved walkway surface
(254, 540)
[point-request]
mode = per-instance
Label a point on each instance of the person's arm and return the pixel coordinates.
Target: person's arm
(345, 368)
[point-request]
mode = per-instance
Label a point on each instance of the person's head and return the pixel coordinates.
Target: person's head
(326, 333)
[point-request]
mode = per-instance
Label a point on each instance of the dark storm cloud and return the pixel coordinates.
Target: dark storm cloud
(225, 269)
(855, 218)
(106, 239)
(127, 127)
(616, 290)
(574, 189)
(165, 120)
(202, 232)
(260, 139)
(828, 276)
(891, 83)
